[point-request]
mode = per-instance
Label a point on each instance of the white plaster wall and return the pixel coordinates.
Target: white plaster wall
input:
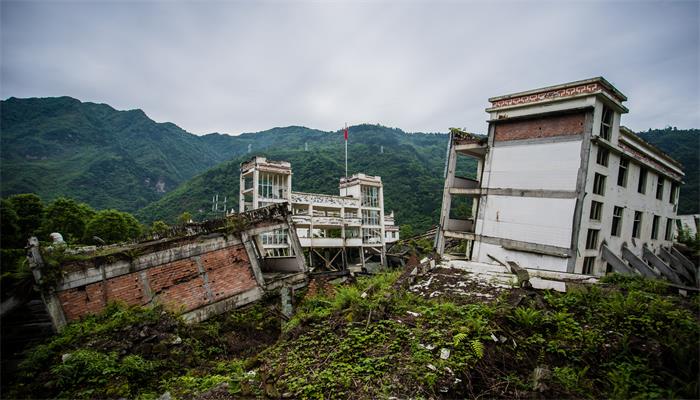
(529, 219)
(550, 166)
(525, 260)
(631, 201)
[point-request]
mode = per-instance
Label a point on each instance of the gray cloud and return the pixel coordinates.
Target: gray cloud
(237, 66)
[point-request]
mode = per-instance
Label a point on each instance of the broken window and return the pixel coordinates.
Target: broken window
(599, 184)
(588, 264)
(674, 193)
(352, 233)
(642, 184)
(370, 217)
(606, 123)
(371, 235)
(655, 227)
(660, 188)
(278, 236)
(622, 172)
(370, 196)
(637, 225)
(669, 229)
(602, 156)
(592, 239)
(272, 186)
(616, 221)
(596, 210)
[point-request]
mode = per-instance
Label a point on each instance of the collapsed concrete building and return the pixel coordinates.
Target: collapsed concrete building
(336, 231)
(199, 271)
(562, 186)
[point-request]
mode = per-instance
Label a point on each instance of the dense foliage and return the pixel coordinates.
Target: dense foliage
(375, 339)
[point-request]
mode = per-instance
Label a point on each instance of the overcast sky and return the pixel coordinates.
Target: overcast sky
(236, 67)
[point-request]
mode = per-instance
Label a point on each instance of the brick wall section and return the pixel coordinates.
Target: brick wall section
(178, 285)
(551, 126)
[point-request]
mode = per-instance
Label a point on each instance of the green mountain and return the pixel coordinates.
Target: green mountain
(96, 154)
(125, 160)
(684, 146)
(411, 169)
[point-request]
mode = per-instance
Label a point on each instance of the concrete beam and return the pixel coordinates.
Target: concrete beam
(665, 270)
(638, 264)
(618, 265)
(676, 265)
(540, 193)
(683, 259)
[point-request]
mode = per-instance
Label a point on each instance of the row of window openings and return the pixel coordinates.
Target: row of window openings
(599, 180)
(615, 229)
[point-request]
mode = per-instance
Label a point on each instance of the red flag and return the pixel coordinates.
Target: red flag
(346, 134)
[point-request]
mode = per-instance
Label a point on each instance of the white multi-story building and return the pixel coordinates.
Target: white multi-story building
(335, 231)
(561, 186)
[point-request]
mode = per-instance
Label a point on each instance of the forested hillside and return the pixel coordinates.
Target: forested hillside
(122, 159)
(94, 153)
(411, 170)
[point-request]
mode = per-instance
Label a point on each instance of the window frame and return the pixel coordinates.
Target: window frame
(606, 124)
(588, 265)
(660, 187)
(622, 171)
(592, 239)
(655, 227)
(596, 210)
(616, 226)
(637, 224)
(599, 184)
(603, 156)
(642, 183)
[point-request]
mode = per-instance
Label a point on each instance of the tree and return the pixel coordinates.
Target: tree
(184, 218)
(10, 235)
(29, 209)
(67, 217)
(405, 231)
(160, 228)
(112, 226)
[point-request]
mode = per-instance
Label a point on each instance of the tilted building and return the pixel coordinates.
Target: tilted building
(561, 186)
(335, 231)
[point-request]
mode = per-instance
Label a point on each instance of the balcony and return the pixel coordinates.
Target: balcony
(321, 242)
(352, 221)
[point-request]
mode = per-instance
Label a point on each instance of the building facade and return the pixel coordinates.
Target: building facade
(561, 186)
(336, 232)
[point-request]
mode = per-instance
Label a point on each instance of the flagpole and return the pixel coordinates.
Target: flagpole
(346, 150)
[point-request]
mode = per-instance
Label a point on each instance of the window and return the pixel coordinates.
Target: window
(371, 235)
(596, 210)
(669, 229)
(599, 184)
(660, 188)
(674, 193)
(370, 196)
(622, 172)
(278, 236)
(588, 263)
(637, 225)
(642, 184)
(272, 186)
(370, 217)
(616, 221)
(606, 123)
(655, 227)
(592, 239)
(602, 157)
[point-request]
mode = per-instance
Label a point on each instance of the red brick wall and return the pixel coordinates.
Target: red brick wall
(551, 126)
(178, 285)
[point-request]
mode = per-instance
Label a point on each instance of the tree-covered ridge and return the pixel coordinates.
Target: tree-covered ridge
(411, 168)
(684, 146)
(122, 159)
